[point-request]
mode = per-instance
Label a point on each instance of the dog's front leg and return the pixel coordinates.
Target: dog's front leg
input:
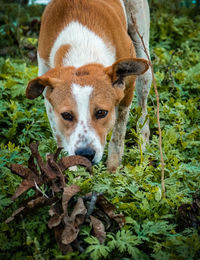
(116, 145)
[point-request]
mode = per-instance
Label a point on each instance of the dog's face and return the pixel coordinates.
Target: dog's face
(81, 103)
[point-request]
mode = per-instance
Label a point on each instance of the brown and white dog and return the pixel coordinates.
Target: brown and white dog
(87, 73)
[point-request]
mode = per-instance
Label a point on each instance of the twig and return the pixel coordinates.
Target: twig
(38, 188)
(158, 108)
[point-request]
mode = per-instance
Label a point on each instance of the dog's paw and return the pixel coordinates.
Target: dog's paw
(112, 163)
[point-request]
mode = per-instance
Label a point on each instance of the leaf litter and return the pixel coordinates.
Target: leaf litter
(68, 210)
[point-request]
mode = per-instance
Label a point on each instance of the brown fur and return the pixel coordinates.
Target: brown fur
(112, 86)
(105, 18)
(61, 52)
(104, 96)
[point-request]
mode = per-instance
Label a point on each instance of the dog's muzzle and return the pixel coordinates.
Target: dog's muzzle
(87, 152)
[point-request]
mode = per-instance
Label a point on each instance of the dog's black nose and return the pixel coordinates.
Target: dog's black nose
(87, 152)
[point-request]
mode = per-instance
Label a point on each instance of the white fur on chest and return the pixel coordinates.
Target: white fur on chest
(85, 47)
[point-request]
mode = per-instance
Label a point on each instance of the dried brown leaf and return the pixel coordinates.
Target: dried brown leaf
(37, 202)
(56, 215)
(54, 166)
(14, 214)
(29, 181)
(79, 212)
(69, 233)
(20, 170)
(55, 220)
(66, 227)
(24, 186)
(49, 173)
(73, 160)
(32, 203)
(55, 209)
(68, 193)
(55, 156)
(109, 210)
(99, 229)
(32, 166)
(73, 222)
(106, 205)
(36, 155)
(102, 215)
(64, 248)
(45, 169)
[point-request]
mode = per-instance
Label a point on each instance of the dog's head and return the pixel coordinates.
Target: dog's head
(81, 102)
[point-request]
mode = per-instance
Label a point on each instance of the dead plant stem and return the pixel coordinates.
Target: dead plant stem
(158, 109)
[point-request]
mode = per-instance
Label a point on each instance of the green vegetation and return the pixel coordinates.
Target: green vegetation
(154, 229)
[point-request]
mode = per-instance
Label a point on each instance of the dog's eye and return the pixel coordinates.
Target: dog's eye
(101, 113)
(67, 116)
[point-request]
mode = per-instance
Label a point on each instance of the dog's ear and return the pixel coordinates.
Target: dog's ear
(36, 86)
(124, 68)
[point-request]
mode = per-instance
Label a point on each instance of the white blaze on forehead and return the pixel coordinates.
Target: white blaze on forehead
(82, 98)
(84, 135)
